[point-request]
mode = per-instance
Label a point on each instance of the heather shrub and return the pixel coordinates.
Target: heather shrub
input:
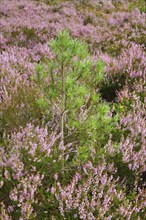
(18, 94)
(128, 151)
(26, 170)
(126, 72)
(134, 124)
(32, 186)
(96, 194)
(20, 110)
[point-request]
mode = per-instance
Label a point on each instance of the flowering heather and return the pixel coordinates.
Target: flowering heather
(131, 62)
(97, 196)
(133, 147)
(19, 162)
(72, 110)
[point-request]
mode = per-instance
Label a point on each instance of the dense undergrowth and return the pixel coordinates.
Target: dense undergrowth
(72, 113)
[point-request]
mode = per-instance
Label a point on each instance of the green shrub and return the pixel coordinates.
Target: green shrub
(69, 84)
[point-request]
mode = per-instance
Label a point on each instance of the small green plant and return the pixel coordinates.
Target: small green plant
(69, 84)
(140, 4)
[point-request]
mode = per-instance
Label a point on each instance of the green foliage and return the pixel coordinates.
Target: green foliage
(69, 84)
(141, 4)
(83, 153)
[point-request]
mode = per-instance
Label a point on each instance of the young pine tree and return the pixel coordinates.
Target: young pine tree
(69, 83)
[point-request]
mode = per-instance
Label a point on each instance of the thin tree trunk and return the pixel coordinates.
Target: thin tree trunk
(63, 111)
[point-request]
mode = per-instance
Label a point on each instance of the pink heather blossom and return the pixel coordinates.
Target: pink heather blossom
(75, 196)
(135, 123)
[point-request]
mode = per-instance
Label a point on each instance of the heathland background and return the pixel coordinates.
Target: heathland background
(72, 109)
